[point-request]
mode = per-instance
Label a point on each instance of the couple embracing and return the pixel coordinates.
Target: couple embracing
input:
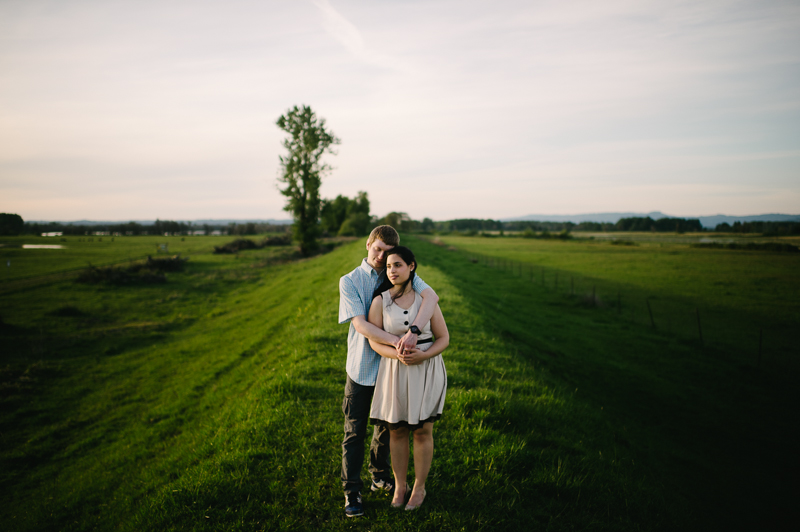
(395, 376)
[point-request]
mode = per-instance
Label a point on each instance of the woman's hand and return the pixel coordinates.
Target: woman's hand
(412, 357)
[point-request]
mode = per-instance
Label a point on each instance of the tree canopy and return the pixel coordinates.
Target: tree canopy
(346, 217)
(11, 224)
(302, 171)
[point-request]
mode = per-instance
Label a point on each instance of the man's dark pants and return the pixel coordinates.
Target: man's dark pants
(356, 406)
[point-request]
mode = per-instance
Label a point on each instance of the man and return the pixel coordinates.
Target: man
(355, 298)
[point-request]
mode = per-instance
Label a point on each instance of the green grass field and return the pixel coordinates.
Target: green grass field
(738, 295)
(212, 402)
(99, 251)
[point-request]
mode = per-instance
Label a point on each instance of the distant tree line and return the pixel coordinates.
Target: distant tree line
(249, 228)
(766, 228)
(475, 225)
(159, 227)
(558, 227)
(662, 225)
(343, 216)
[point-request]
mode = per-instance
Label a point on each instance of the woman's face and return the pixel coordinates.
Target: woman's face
(397, 270)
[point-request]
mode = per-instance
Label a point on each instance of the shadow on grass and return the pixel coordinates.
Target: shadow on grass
(698, 421)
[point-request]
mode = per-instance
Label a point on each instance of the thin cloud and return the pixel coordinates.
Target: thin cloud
(348, 35)
(341, 29)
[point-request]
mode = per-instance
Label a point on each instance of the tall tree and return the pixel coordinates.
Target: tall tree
(306, 143)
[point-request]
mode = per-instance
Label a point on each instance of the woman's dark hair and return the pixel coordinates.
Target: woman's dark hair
(408, 257)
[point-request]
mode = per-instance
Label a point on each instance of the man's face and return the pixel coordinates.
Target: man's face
(376, 254)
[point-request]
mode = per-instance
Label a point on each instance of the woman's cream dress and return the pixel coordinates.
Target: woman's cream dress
(408, 396)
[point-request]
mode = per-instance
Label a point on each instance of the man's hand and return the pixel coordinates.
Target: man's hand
(407, 342)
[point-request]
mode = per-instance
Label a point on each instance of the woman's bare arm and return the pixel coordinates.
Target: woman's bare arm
(376, 319)
(371, 326)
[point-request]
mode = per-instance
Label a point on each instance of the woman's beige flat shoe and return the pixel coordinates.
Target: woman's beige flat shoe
(400, 504)
(409, 507)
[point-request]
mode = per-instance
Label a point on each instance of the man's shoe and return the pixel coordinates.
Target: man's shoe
(352, 505)
(385, 485)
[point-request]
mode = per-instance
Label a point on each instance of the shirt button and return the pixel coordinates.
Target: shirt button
(405, 323)
(405, 312)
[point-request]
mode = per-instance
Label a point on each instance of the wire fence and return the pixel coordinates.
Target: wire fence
(749, 338)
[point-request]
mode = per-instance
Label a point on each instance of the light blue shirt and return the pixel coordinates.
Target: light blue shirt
(355, 298)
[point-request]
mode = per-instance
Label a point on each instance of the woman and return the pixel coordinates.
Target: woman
(411, 386)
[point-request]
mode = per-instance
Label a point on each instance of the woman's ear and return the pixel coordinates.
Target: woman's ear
(413, 266)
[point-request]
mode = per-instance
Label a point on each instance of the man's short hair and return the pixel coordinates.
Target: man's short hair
(385, 233)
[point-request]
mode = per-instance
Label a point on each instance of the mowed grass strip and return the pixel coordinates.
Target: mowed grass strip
(511, 452)
(213, 403)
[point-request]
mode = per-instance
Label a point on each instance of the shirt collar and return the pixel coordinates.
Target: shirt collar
(367, 268)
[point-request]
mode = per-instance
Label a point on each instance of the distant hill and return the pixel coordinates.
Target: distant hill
(613, 217)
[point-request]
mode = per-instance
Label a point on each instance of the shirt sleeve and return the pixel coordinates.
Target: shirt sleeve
(419, 285)
(350, 303)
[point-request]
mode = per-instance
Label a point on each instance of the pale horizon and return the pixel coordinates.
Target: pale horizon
(145, 110)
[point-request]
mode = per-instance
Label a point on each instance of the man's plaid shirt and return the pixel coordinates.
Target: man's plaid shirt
(355, 298)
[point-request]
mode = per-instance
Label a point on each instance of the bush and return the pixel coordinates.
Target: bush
(120, 276)
(148, 272)
(236, 246)
(281, 240)
(530, 233)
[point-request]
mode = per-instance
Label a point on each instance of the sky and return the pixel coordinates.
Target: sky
(134, 110)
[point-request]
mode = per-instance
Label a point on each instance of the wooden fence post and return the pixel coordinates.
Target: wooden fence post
(760, 338)
(650, 311)
(699, 328)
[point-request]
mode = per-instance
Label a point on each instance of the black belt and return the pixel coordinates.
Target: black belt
(425, 341)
